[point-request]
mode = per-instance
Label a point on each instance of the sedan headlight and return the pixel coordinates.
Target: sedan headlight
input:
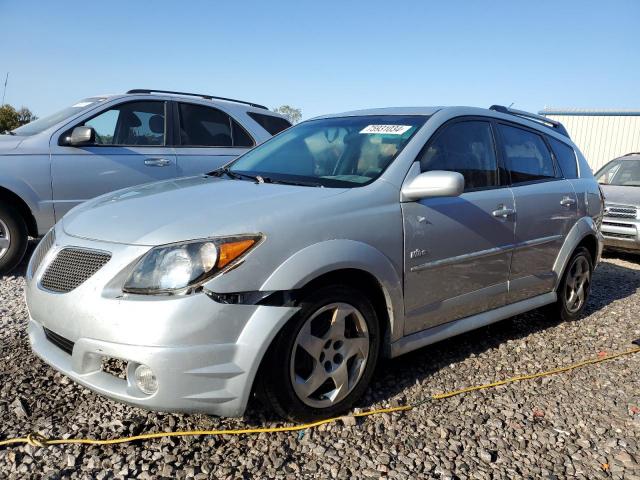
(180, 267)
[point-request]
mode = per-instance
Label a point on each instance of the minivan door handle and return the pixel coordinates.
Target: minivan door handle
(567, 202)
(157, 162)
(503, 212)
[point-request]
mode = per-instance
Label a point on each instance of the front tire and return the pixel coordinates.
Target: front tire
(323, 359)
(575, 286)
(13, 239)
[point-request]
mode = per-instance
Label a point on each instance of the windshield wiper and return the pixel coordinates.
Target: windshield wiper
(301, 183)
(235, 175)
(8, 132)
(260, 178)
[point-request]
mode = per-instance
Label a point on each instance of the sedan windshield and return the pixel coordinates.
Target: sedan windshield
(42, 124)
(620, 172)
(330, 152)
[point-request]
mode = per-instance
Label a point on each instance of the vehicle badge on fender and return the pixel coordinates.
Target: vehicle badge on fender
(418, 252)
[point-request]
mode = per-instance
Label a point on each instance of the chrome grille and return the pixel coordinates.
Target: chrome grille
(618, 224)
(619, 235)
(620, 211)
(71, 268)
(41, 250)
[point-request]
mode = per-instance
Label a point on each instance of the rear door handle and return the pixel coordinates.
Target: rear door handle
(157, 162)
(567, 202)
(503, 212)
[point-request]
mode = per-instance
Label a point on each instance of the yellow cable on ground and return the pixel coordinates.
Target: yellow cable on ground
(38, 440)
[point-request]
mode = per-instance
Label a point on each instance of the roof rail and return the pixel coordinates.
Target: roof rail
(631, 153)
(532, 116)
(206, 97)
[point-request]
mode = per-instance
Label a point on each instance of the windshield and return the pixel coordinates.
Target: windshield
(331, 152)
(42, 124)
(620, 172)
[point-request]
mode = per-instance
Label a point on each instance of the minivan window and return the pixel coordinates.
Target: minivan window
(271, 124)
(526, 155)
(41, 124)
(566, 157)
(202, 126)
(130, 124)
(332, 152)
(465, 147)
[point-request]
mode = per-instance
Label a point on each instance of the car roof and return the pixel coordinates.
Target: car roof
(201, 99)
(629, 156)
(426, 111)
(453, 111)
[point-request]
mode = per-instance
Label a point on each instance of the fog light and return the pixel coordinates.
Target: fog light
(146, 380)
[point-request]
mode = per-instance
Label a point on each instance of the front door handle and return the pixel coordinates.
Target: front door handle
(503, 212)
(157, 162)
(567, 202)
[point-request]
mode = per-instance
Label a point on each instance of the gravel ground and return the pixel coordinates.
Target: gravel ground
(583, 424)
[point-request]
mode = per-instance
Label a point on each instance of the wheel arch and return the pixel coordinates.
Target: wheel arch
(346, 261)
(584, 233)
(8, 197)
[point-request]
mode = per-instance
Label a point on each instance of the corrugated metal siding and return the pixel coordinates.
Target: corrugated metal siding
(602, 137)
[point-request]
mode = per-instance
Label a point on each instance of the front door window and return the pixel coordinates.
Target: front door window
(130, 124)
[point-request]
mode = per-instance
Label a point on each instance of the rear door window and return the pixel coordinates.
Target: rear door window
(202, 126)
(526, 155)
(270, 123)
(465, 147)
(566, 157)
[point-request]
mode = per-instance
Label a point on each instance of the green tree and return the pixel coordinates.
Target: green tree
(11, 118)
(25, 116)
(290, 113)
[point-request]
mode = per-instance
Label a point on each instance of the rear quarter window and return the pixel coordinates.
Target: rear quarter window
(271, 124)
(566, 157)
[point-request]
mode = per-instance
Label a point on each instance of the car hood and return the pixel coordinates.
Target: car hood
(188, 208)
(10, 142)
(625, 195)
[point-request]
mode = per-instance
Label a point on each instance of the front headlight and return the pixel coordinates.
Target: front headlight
(181, 267)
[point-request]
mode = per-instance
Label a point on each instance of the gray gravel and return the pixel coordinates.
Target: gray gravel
(584, 424)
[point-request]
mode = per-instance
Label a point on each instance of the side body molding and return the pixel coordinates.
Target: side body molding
(584, 226)
(331, 255)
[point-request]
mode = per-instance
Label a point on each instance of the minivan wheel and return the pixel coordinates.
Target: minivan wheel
(575, 286)
(323, 359)
(13, 239)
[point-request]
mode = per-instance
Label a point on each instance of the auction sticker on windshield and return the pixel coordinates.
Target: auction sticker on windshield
(386, 129)
(81, 104)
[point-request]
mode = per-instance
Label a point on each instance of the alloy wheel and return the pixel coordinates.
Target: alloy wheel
(577, 284)
(5, 238)
(329, 355)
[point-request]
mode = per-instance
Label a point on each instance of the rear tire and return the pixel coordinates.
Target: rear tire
(323, 359)
(575, 286)
(13, 239)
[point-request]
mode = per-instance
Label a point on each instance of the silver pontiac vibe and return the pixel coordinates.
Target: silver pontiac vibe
(293, 269)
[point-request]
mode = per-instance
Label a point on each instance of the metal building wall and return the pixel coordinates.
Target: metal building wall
(601, 135)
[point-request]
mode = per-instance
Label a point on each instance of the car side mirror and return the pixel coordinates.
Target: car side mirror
(82, 136)
(436, 183)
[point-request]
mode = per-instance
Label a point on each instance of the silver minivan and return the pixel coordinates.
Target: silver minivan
(290, 271)
(109, 142)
